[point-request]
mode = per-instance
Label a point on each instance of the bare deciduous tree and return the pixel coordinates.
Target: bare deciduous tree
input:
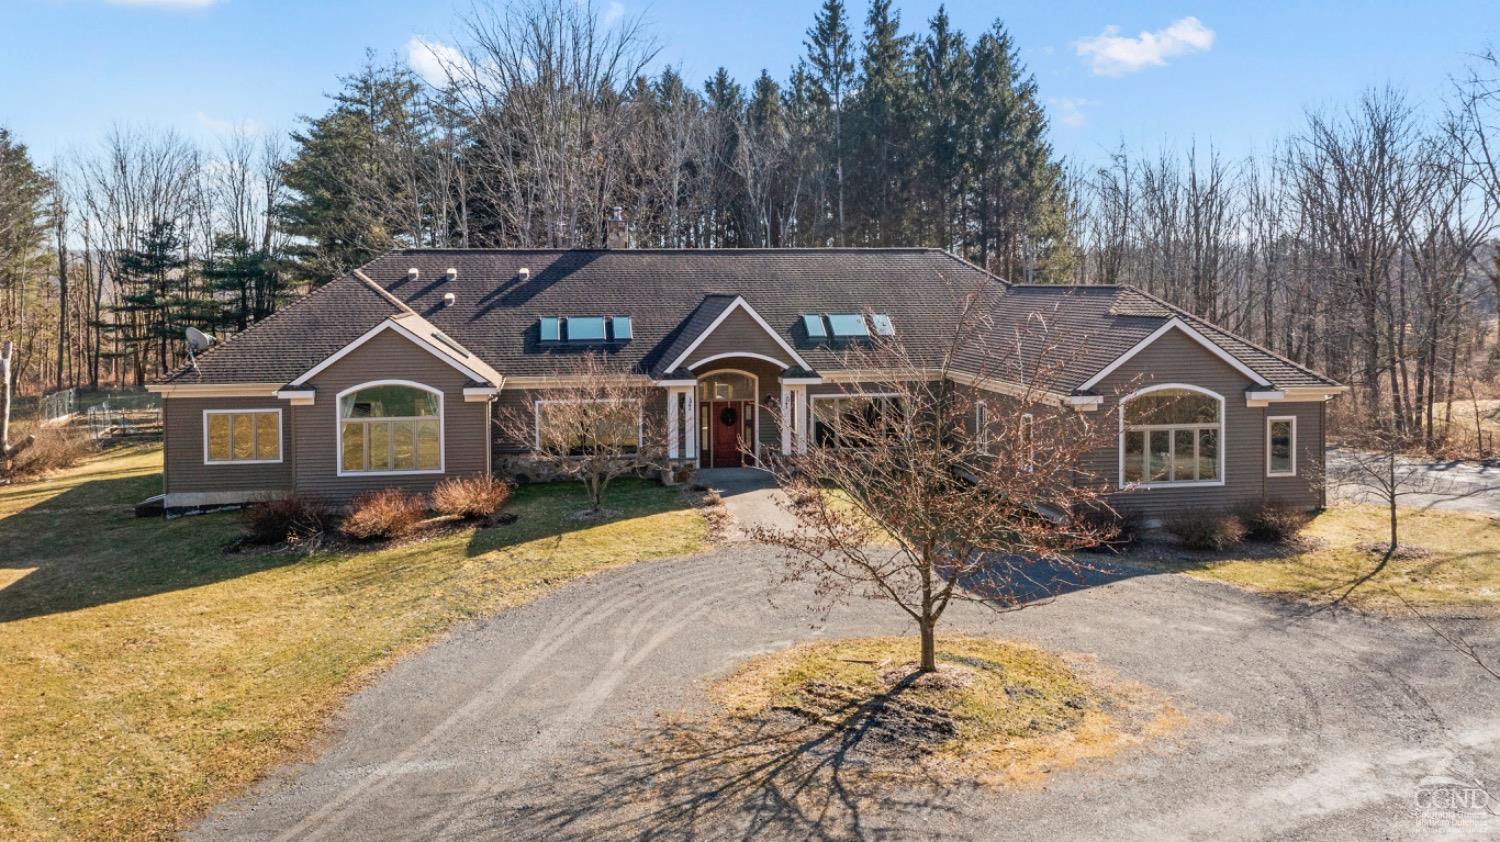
(593, 426)
(923, 492)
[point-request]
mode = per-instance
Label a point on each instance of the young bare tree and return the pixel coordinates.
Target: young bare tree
(922, 491)
(595, 425)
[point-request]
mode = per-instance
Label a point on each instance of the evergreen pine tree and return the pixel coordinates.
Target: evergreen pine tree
(880, 119)
(832, 64)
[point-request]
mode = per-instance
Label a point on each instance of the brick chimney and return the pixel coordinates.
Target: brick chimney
(616, 231)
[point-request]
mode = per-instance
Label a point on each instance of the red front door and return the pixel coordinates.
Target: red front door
(728, 419)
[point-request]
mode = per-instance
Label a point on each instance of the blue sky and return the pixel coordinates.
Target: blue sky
(1240, 74)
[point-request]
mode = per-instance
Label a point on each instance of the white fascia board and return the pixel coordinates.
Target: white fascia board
(479, 394)
(298, 397)
(388, 324)
(801, 381)
(738, 303)
(669, 383)
(1178, 324)
(214, 390)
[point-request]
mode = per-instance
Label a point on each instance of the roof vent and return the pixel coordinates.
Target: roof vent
(413, 273)
(524, 273)
(448, 299)
(451, 273)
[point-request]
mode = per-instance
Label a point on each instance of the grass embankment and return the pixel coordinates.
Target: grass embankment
(1457, 566)
(995, 712)
(148, 675)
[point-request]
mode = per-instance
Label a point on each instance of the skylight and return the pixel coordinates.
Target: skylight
(848, 325)
(549, 329)
(813, 324)
(585, 328)
(621, 326)
(882, 324)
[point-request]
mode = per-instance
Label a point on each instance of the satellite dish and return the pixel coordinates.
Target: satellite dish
(197, 340)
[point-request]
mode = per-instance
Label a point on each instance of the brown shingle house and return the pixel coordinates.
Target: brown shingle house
(391, 375)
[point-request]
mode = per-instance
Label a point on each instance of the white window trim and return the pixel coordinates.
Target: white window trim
(280, 436)
(536, 419)
(1028, 438)
(812, 408)
(1124, 428)
(755, 390)
(338, 419)
(1270, 421)
(982, 426)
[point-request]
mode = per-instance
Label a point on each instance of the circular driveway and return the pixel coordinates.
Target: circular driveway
(1301, 724)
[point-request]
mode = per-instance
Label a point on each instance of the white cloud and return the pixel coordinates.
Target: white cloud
(165, 4)
(218, 126)
(433, 60)
(1070, 112)
(1111, 54)
(613, 12)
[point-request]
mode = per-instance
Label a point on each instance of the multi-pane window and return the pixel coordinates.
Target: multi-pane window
(854, 420)
(726, 386)
(242, 435)
(390, 428)
(1172, 435)
(588, 427)
(1281, 446)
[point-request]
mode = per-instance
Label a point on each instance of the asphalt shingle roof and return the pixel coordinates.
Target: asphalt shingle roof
(671, 295)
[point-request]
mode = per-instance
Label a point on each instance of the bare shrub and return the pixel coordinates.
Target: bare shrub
(1205, 529)
(292, 518)
(1110, 529)
(51, 449)
(470, 497)
(388, 513)
(1272, 520)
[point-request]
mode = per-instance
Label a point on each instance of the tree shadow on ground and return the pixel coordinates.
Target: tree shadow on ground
(84, 547)
(781, 777)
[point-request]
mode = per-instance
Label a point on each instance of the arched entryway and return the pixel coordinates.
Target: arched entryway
(729, 417)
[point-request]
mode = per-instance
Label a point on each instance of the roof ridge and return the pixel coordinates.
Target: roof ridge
(1211, 326)
(384, 293)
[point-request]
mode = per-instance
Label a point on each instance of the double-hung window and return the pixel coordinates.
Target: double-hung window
(1281, 446)
(241, 436)
(1172, 436)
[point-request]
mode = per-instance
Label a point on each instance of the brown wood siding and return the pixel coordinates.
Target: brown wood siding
(1175, 358)
(736, 334)
(183, 468)
(388, 356)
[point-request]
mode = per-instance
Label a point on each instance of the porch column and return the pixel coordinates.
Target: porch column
(799, 395)
(674, 425)
(787, 418)
(689, 408)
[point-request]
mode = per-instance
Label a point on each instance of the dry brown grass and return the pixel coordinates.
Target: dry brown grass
(388, 513)
(470, 498)
(54, 449)
(996, 712)
(148, 675)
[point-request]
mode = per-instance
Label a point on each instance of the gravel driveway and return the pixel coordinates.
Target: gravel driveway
(1305, 725)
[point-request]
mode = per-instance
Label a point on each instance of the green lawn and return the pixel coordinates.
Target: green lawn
(1460, 571)
(148, 675)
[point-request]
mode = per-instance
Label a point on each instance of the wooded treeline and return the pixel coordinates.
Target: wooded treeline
(1364, 244)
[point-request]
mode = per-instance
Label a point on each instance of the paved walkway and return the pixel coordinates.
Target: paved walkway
(1301, 725)
(751, 496)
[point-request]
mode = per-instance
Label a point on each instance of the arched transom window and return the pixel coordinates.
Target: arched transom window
(390, 428)
(1172, 435)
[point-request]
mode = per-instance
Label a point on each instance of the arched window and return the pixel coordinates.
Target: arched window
(390, 427)
(1172, 434)
(726, 386)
